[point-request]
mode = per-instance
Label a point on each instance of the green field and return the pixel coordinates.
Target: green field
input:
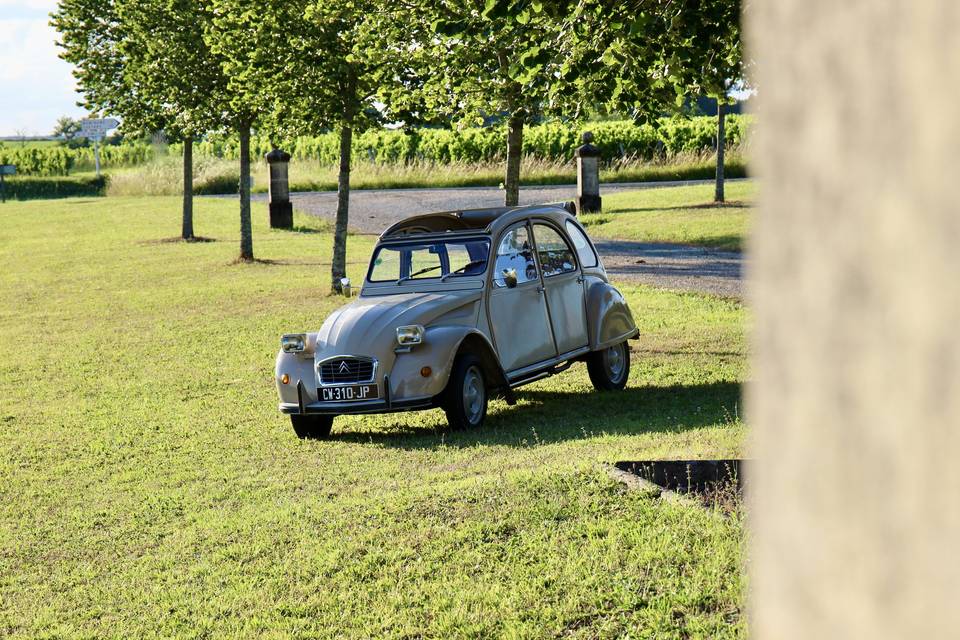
(678, 214)
(148, 486)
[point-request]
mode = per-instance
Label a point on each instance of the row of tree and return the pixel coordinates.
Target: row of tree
(298, 67)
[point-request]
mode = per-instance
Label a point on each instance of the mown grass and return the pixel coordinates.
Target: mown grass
(677, 214)
(148, 486)
(164, 176)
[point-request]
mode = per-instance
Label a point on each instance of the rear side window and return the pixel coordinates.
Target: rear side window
(587, 257)
(555, 255)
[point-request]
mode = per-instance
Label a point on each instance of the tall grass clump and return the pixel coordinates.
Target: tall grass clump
(219, 176)
(164, 177)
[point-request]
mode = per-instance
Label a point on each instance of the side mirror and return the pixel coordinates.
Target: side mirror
(510, 278)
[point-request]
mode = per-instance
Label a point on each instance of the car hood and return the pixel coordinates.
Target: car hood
(367, 326)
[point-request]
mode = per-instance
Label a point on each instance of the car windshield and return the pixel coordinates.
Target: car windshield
(439, 260)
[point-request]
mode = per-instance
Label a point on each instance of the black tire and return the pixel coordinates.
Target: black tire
(466, 408)
(609, 368)
(312, 427)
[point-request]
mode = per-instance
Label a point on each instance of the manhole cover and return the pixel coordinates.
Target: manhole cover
(687, 476)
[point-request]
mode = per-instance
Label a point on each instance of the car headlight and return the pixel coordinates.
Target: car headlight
(409, 335)
(293, 342)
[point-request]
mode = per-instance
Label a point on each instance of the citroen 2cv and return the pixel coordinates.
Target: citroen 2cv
(457, 307)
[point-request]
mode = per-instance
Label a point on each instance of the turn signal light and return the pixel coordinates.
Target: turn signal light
(285, 379)
(426, 371)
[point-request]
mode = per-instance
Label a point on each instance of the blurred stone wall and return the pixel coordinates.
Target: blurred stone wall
(855, 283)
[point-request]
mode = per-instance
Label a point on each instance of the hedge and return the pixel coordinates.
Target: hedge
(128, 154)
(35, 187)
(554, 141)
(39, 161)
(59, 161)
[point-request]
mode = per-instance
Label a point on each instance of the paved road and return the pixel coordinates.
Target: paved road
(373, 210)
(674, 266)
(666, 265)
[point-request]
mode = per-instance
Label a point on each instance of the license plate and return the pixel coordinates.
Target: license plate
(349, 393)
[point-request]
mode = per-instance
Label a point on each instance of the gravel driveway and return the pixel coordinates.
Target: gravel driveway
(671, 266)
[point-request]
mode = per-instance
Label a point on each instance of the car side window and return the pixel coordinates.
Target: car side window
(555, 254)
(587, 257)
(515, 255)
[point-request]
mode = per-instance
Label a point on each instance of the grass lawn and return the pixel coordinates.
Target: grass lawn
(148, 486)
(677, 214)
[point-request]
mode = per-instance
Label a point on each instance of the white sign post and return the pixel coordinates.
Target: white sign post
(95, 129)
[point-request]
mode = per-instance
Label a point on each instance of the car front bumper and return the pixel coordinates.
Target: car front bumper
(306, 406)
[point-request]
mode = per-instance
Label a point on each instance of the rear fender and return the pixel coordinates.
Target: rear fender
(609, 317)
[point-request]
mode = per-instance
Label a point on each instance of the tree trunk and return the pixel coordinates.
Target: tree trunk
(246, 233)
(339, 267)
(514, 147)
(187, 232)
(721, 143)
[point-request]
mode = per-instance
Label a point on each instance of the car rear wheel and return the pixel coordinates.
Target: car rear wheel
(312, 427)
(609, 368)
(465, 399)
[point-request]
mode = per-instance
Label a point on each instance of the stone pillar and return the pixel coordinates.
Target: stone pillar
(854, 279)
(588, 176)
(281, 211)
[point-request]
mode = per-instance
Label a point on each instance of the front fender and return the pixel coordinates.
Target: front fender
(608, 315)
(299, 366)
(439, 348)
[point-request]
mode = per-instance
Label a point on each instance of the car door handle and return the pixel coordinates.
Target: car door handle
(540, 289)
(579, 279)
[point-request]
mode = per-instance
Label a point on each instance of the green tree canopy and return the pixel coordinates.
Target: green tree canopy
(147, 62)
(478, 60)
(308, 66)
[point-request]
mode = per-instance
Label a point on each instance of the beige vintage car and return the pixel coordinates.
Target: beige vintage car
(443, 321)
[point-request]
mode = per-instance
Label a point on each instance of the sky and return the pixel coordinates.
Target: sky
(36, 86)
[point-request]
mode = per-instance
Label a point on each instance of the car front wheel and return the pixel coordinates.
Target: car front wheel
(610, 367)
(312, 427)
(465, 401)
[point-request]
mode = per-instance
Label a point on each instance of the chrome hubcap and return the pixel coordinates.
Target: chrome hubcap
(473, 394)
(614, 359)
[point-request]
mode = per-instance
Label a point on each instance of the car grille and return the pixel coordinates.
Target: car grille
(348, 370)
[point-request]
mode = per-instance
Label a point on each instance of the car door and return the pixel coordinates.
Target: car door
(563, 283)
(518, 309)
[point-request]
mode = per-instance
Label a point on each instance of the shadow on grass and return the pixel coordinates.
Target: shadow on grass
(176, 239)
(546, 417)
(300, 228)
(287, 262)
(730, 204)
(686, 248)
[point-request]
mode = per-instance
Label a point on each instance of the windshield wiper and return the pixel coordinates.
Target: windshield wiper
(473, 263)
(417, 273)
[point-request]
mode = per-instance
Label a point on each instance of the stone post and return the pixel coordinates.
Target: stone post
(854, 281)
(588, 176)
(281, 210)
